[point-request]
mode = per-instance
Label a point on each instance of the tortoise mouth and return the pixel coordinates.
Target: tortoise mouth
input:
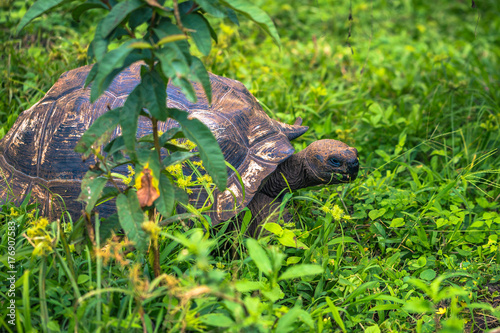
(343, 177)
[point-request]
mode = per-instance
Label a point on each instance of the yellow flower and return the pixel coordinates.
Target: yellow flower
(206, 178)
(441, 311)
(184, 143)
(131, 173)
(199, 164)
(184, 183)
(220, 265)
(152, 229)
(175, 170)
(13, 212)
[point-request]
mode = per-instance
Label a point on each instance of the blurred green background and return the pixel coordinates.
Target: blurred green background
(413, 85)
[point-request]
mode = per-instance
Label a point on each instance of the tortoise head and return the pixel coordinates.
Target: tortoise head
(331, 162)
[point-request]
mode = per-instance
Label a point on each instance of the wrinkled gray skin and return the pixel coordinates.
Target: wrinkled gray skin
(324, 162)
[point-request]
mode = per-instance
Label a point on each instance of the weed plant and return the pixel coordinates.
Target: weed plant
(411, 246)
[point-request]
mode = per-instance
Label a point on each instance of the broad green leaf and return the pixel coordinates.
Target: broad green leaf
(107, 122)
(97, 48)
(82, 278)
(341, 240)
(129, 116)
(299, 271)
(418, 306)
(335, 313)
(111, 64)
(108, 225)
(217, 320)
(372, 329)
(376, 213)
(293, 260)
(259, 256)
(397, 222)
(91, 189)
(165, 203)
(246, 286)
(255, 14)
(200, 74)
(288, 238)
(273, 294)
(78, 11)
(154, 95)
(117, 14)
(209, 149)
(201, 34)
(428, 274)
(38, 8)
(212, 7)
(274, 228)
(131, 219)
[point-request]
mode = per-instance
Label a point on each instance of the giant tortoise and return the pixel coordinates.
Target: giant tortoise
(37, 155)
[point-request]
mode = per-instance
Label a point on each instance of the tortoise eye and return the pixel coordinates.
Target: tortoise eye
(334, 162)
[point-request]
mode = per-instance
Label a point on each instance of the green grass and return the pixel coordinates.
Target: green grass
(414, 88)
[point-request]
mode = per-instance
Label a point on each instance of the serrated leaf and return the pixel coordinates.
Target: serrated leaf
(299, 271)
(293, 260)
(117, 14)
(166, 202)
(129, 116)
(131, 219)
(255, 14)
(38, 8)
(200, 74)
(209, 149)
(111, 64)
(154, 95)
(91, 189)
(201, 34)
(259, 256)
(247, 286)
(105, 123)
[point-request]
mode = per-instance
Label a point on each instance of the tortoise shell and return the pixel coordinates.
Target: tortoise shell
(37, 155)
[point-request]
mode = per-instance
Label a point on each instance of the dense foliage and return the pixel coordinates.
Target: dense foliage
(412, 245)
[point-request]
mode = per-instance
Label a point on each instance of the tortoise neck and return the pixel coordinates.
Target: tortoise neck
(293, 173)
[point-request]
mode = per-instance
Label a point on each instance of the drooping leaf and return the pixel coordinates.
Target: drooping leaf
(131, 219)
(209, 149)
(113, 62)
(117, 14)
(91, 189)
(200, 74)
(128, 120)
(107, 122)
(255, 14)
(38, 8)
(154, 94)
(288, 238)
(165, 203)
(201, 34)
(212, 7)
(299, 271)
(259, 256)
(79, 10)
